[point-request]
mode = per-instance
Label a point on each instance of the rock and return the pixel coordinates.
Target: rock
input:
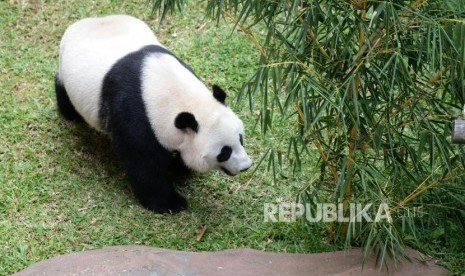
(142, 260)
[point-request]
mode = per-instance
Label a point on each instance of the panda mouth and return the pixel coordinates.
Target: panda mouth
(227, 172)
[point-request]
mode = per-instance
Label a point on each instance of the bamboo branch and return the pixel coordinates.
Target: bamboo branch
(325, 159)
(247, 31)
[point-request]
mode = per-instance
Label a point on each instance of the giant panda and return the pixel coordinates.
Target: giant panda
(114, 75)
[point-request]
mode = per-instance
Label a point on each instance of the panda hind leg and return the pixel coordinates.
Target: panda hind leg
(64, 104)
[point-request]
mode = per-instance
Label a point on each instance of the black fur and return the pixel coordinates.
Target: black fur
(177, 171)
(186, 120)
(123, 115)
(225, 154)
(64, 104)
(219, 94)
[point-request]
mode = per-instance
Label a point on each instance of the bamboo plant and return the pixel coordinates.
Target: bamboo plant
(372, 87)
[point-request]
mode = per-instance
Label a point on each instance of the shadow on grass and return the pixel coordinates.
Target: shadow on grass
(94, 155)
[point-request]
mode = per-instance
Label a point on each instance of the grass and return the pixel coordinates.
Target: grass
(62, 188)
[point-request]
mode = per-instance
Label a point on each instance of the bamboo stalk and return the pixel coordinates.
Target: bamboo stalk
(353, 131)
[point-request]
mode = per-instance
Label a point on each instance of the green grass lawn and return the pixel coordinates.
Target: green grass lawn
(62, 188)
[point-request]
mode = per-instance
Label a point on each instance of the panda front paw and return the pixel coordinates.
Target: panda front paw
(172, 204)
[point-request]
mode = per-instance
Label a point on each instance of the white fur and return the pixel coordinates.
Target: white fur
(91, 46)
(168, 89)
(88, 49)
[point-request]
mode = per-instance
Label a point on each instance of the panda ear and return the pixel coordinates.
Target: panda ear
(186, 120)
(219, 94)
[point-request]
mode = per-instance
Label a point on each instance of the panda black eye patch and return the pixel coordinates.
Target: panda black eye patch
(224, 154)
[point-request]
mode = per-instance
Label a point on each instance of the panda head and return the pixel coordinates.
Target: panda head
(217, 142)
